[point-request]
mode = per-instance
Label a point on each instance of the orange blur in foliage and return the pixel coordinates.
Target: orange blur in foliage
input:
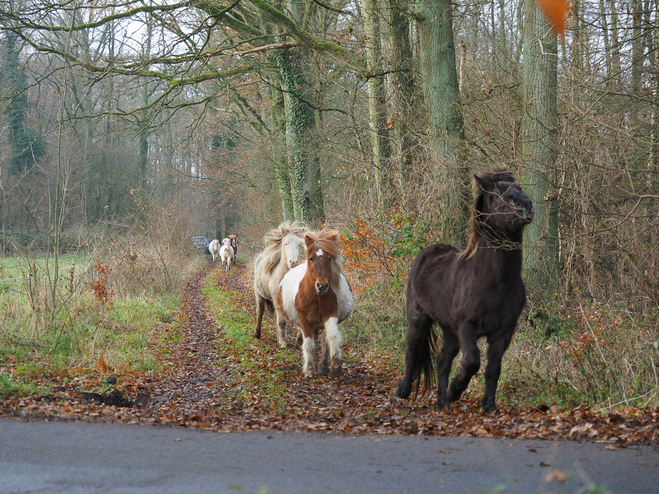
(556, 12)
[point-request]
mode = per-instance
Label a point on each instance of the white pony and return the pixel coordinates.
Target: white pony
(283, 247)
(214, 248)
(226, 254)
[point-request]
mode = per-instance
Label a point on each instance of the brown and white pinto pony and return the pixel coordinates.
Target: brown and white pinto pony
(234, 246)
(315, 295)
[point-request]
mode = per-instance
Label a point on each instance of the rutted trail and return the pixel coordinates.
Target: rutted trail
(193, 358)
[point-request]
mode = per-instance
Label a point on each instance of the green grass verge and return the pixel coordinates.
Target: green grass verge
(259, 375)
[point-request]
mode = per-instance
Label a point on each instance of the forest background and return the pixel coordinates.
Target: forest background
(130, 126)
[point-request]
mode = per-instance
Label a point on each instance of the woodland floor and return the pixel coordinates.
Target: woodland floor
(208, 381)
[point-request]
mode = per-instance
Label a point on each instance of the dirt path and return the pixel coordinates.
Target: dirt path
(216, 380)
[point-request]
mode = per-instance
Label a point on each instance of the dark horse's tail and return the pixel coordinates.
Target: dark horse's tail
(420, 348)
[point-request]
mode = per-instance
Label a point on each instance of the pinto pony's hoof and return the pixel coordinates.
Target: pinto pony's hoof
(323, 369)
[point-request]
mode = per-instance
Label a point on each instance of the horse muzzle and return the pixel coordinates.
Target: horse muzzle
(322, 289)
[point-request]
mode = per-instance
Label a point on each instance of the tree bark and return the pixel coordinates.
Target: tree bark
(304, 167)
(442, 96)
(402, 86)
(377, 107)
(539, 136)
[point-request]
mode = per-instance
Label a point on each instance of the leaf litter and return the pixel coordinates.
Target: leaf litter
(211, 379)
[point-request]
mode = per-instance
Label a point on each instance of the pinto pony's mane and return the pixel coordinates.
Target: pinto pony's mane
(485, 183)
(273, 244)
(329, 241)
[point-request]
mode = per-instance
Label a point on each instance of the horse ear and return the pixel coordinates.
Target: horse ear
(308, 240)
(480, 182)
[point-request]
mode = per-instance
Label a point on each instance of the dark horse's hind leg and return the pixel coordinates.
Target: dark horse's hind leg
(450, 348)
(495, 350)
(418, 356)
(471, 362)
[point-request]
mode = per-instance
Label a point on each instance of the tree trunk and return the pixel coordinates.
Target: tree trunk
(539, 135)
(442, 95)
(377, 107)
(282, 175)
(402, 86)
(304, 167)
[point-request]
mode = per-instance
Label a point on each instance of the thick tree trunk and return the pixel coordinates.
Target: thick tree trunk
(539, 135)
(304, 167)
(402, 86)
(442, 96)
(377, 107)
(282, 175)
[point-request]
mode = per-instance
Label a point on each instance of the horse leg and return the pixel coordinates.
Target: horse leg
(332, 347)
(308, 347)
(496, 347)
(450, 348)
(260, 309)
(323, 366)
(418, 346)
(471, 362)
(281, 330)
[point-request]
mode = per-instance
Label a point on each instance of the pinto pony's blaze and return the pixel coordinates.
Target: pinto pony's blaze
(315, 295)
(283, 247)
(469, 293)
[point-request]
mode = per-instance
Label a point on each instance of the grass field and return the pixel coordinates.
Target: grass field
(48, 325)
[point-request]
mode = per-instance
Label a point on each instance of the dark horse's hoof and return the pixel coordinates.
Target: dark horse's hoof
(443, 405)
(490, 407)
(403, 390)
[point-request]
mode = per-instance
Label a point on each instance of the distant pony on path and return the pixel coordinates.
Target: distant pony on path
(315, 295)
(471, 293)
(226, 254)
(234, 246)
(214, 248)
(283, 247)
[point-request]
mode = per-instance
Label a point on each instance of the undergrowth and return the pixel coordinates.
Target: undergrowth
(567, 352)
(48, 325)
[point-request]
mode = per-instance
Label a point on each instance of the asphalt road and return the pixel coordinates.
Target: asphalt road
(45, 457)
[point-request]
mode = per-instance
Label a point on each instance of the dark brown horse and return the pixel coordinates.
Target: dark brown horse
(471, 293)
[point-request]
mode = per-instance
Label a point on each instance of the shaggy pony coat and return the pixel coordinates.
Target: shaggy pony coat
(315, 295)
(471, 293)
(283, 246)
(214, 248)
(226, 254)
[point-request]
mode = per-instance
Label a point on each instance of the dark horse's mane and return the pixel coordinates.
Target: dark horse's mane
(487, 181)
